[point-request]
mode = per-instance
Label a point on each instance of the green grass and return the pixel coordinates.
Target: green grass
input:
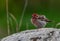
(49, 8)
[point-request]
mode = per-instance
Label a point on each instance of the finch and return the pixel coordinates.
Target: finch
(39, 21)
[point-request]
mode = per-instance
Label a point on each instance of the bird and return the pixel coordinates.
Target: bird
(39, 21)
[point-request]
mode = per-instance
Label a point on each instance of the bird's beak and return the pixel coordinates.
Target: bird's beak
(48, 20)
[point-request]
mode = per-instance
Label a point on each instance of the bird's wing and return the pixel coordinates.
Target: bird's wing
(41, 23)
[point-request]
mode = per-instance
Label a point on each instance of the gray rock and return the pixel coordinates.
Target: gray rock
(44, 34)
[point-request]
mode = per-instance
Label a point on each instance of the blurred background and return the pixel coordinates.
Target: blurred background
(19, 14)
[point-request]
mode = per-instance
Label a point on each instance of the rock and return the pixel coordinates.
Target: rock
(44, 34)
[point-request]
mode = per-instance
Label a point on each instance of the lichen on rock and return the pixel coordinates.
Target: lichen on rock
(43, 34)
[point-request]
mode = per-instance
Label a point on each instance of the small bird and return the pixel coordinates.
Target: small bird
(39, 21)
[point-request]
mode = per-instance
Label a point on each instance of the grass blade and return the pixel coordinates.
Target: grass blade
(57, 25)
(14, 18)
(8, 28)
(10, 21)
(20, 23)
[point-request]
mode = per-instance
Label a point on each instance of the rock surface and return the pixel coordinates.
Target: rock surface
(44, 34)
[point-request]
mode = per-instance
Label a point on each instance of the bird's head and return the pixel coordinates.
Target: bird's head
(34, 15)
(43, 18)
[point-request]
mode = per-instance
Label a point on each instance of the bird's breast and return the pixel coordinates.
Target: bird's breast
(34, 21)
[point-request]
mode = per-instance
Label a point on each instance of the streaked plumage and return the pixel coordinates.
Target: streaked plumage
(39, 20)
